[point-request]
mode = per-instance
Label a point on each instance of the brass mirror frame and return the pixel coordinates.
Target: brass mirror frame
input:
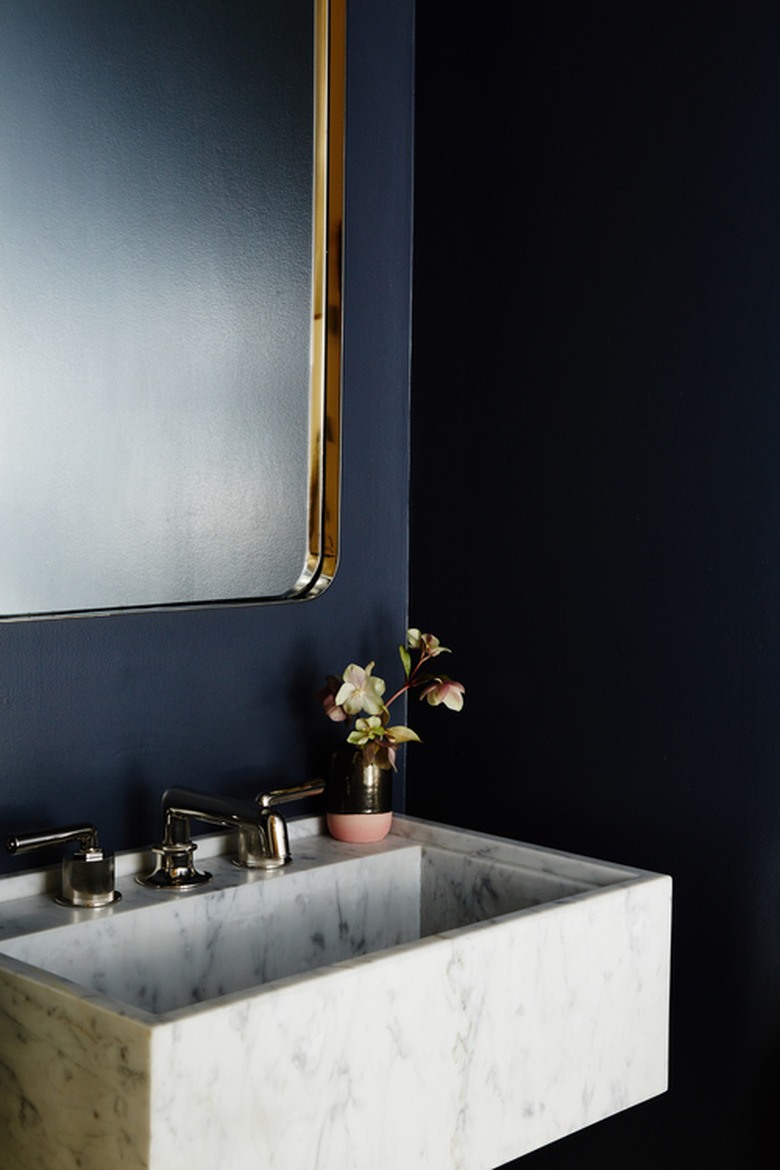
(325, 429)
(324, 459)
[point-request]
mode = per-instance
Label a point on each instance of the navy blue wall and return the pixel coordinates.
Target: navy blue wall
(99, 715)
(595, 523)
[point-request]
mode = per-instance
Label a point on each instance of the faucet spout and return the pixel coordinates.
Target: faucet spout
(262, 833)
(180, 804)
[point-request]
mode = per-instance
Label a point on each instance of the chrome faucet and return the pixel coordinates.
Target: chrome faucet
(87, 876)
(263, 841)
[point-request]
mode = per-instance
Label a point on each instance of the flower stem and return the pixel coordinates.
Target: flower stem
(410, 681)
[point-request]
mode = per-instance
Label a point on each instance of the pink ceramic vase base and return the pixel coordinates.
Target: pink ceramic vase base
(359, 828)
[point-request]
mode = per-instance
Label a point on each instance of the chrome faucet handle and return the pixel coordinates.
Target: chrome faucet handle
(296, 792)
(268, 845)
(87, 876)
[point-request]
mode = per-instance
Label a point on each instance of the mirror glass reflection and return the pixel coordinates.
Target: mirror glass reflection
(164, 222)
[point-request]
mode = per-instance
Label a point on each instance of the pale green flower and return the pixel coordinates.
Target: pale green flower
(427, 643)
(445, 691)
(379, 742)
(366, 730)
(357, 694)
(360, 691)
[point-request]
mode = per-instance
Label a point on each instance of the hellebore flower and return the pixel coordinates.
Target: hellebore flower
(327, 696)
(427, 643)
(332, 709)
(379, 742)
(359, 695)
(360, 691)
(366, 730)
(445, 691)
(365, 735)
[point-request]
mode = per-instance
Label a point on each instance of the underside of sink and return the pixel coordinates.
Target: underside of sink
(441, 998)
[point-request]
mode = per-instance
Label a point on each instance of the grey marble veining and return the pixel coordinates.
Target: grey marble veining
(459, 889)
(180, 951)
(492, 994)
(160, 952)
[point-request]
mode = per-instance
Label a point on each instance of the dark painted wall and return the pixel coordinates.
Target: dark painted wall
(98, 716)
(595, 518)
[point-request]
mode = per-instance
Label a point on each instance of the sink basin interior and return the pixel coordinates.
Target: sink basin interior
(162, 952)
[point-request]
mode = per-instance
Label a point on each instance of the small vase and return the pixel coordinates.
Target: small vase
(359, 797)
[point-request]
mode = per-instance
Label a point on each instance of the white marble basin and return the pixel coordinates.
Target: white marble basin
(441, 1000)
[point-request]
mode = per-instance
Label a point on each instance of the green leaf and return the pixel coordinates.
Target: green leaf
(401, 734)
(406, 659)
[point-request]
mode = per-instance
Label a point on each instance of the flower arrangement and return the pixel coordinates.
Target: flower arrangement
(358, 694)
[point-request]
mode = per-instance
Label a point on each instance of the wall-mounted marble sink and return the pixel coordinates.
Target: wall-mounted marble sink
(441, 999)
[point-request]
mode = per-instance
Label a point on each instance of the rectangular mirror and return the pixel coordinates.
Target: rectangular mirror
(170, 237)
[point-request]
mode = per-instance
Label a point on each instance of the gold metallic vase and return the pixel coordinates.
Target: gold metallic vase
(359, 797)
